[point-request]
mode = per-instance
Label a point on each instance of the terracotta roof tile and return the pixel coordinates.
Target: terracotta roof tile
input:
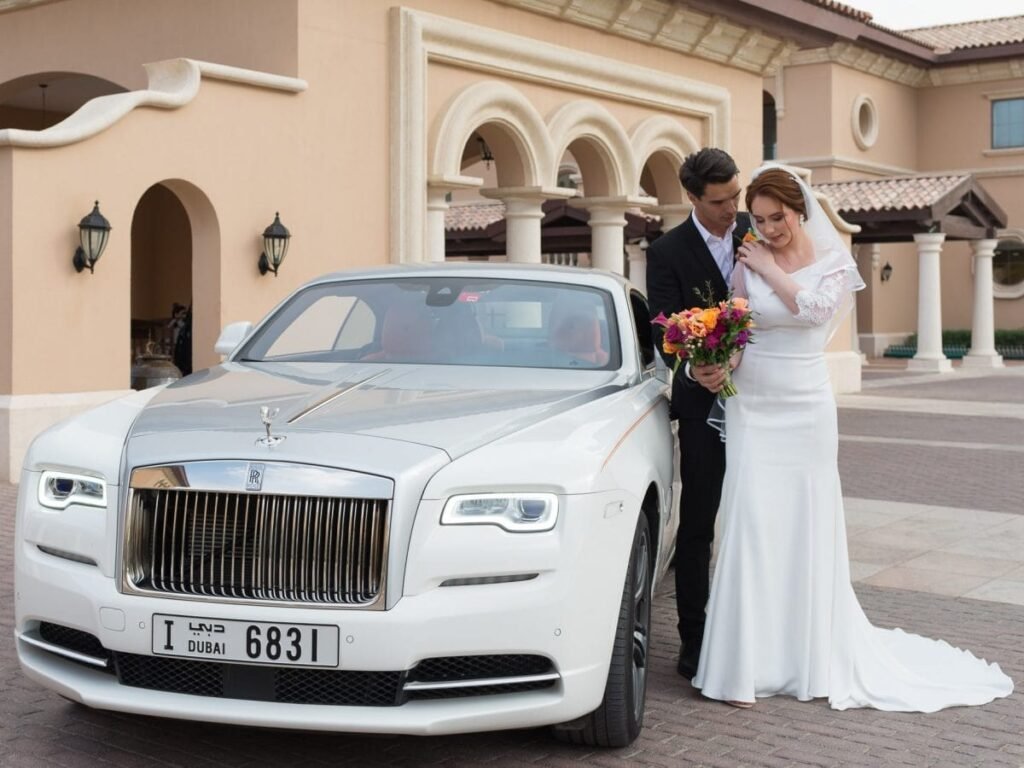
(971, 34)
(842, 9)
(891, 194)
(480, 215)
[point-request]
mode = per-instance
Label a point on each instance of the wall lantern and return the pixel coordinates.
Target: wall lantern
(886, 272)
(93, 231)
(275, 246)
(485, 152)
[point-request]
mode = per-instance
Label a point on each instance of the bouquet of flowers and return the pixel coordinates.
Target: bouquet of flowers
(708, 335)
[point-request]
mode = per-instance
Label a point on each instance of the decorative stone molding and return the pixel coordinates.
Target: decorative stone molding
(661, 133)
(500, 103)
(419, 38)
(864, 121)
(977, 72)
(850, 164)
(674, 26)
(172, 84)
(595, 126)
(882, 169)
(897, 71)
(863, 60)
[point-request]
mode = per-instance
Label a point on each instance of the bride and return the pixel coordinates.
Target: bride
(783, 617)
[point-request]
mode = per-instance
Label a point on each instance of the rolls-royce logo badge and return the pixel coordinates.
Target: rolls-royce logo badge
(254, 477)
(267, 415)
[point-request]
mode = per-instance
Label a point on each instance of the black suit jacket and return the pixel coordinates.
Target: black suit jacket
(678, 265)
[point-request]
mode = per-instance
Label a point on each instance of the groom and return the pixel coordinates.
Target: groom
(688, 259)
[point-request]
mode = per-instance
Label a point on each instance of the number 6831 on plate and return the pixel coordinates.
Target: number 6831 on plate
(253, 642)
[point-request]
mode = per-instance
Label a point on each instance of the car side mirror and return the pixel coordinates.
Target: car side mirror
(231, 337)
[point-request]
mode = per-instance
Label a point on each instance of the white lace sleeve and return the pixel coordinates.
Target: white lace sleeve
(819, 305)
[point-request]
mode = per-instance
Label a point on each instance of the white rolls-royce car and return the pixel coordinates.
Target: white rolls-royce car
(413, 500)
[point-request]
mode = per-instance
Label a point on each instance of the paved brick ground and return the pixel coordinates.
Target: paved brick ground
(948, 477)
(1006, 388)
(38, 728)
(925, 426)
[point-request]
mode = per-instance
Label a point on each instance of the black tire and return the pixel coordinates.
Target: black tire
(617, 722)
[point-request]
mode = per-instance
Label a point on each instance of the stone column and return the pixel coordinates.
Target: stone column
(523, 213)
(671, 215)
(929, 355)
(982, 353)
(438, 188)
(607, 228)
(437, 206)
(608, 238)
(636, 255)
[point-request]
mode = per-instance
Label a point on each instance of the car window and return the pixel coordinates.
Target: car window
(642, 328)
(325, 324)
(445, 321)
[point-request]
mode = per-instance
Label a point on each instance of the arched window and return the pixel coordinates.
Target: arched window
(1008, 267)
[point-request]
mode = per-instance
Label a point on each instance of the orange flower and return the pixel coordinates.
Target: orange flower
(750, 236)
(709, 318)
(740, 303)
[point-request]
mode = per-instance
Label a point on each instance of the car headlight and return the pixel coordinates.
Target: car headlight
(515, 512)
(57, 490)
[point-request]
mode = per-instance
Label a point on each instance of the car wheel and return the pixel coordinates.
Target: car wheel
(617, 722)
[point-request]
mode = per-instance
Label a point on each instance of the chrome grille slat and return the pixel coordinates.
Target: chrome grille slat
(257, 547)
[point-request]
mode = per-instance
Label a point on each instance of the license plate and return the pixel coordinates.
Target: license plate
(253, 642)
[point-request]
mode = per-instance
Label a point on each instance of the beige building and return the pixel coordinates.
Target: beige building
(362, 122)
(917, 112)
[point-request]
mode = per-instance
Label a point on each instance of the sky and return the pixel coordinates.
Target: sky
(907, 14)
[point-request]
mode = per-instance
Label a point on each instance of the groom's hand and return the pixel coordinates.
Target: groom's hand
(711, 377)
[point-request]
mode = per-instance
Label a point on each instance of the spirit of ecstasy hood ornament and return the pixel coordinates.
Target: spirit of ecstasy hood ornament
(267, 415)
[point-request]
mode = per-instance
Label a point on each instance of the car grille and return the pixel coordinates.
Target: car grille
(73, 640)
(300, 685)
(255, 683)
(245, 546)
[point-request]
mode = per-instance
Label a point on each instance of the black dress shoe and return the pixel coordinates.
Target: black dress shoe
(689, 657)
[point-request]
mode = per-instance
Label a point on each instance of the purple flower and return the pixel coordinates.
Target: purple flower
(742, 337)
(674, 334)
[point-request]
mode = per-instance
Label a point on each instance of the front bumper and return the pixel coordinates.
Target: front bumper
(567, 614)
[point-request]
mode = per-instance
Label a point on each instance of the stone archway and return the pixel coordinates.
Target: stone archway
(600, 146)
(176, 260)
(521, 149)
(607, 166)
(660, 144)
(508, 122)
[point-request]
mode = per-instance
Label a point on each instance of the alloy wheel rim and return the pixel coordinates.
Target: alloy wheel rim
(641, 623)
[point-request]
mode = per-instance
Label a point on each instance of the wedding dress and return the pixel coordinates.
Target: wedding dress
(783, 617)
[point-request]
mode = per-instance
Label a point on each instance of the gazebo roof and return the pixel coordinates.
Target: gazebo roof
(894, 209)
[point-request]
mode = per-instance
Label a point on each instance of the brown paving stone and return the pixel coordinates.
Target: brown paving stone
(928, 426)
(993, 389)
(948, 477)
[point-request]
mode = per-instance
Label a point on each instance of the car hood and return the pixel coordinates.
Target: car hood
(451, 408)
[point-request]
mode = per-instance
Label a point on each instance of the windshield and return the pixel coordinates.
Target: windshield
(443, 320)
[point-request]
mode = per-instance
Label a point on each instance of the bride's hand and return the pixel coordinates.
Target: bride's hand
(756, 256)
(734, 360)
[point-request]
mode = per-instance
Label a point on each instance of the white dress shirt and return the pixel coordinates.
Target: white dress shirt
(720, 247)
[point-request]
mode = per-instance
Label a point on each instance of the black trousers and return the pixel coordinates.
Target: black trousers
(702, 468)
